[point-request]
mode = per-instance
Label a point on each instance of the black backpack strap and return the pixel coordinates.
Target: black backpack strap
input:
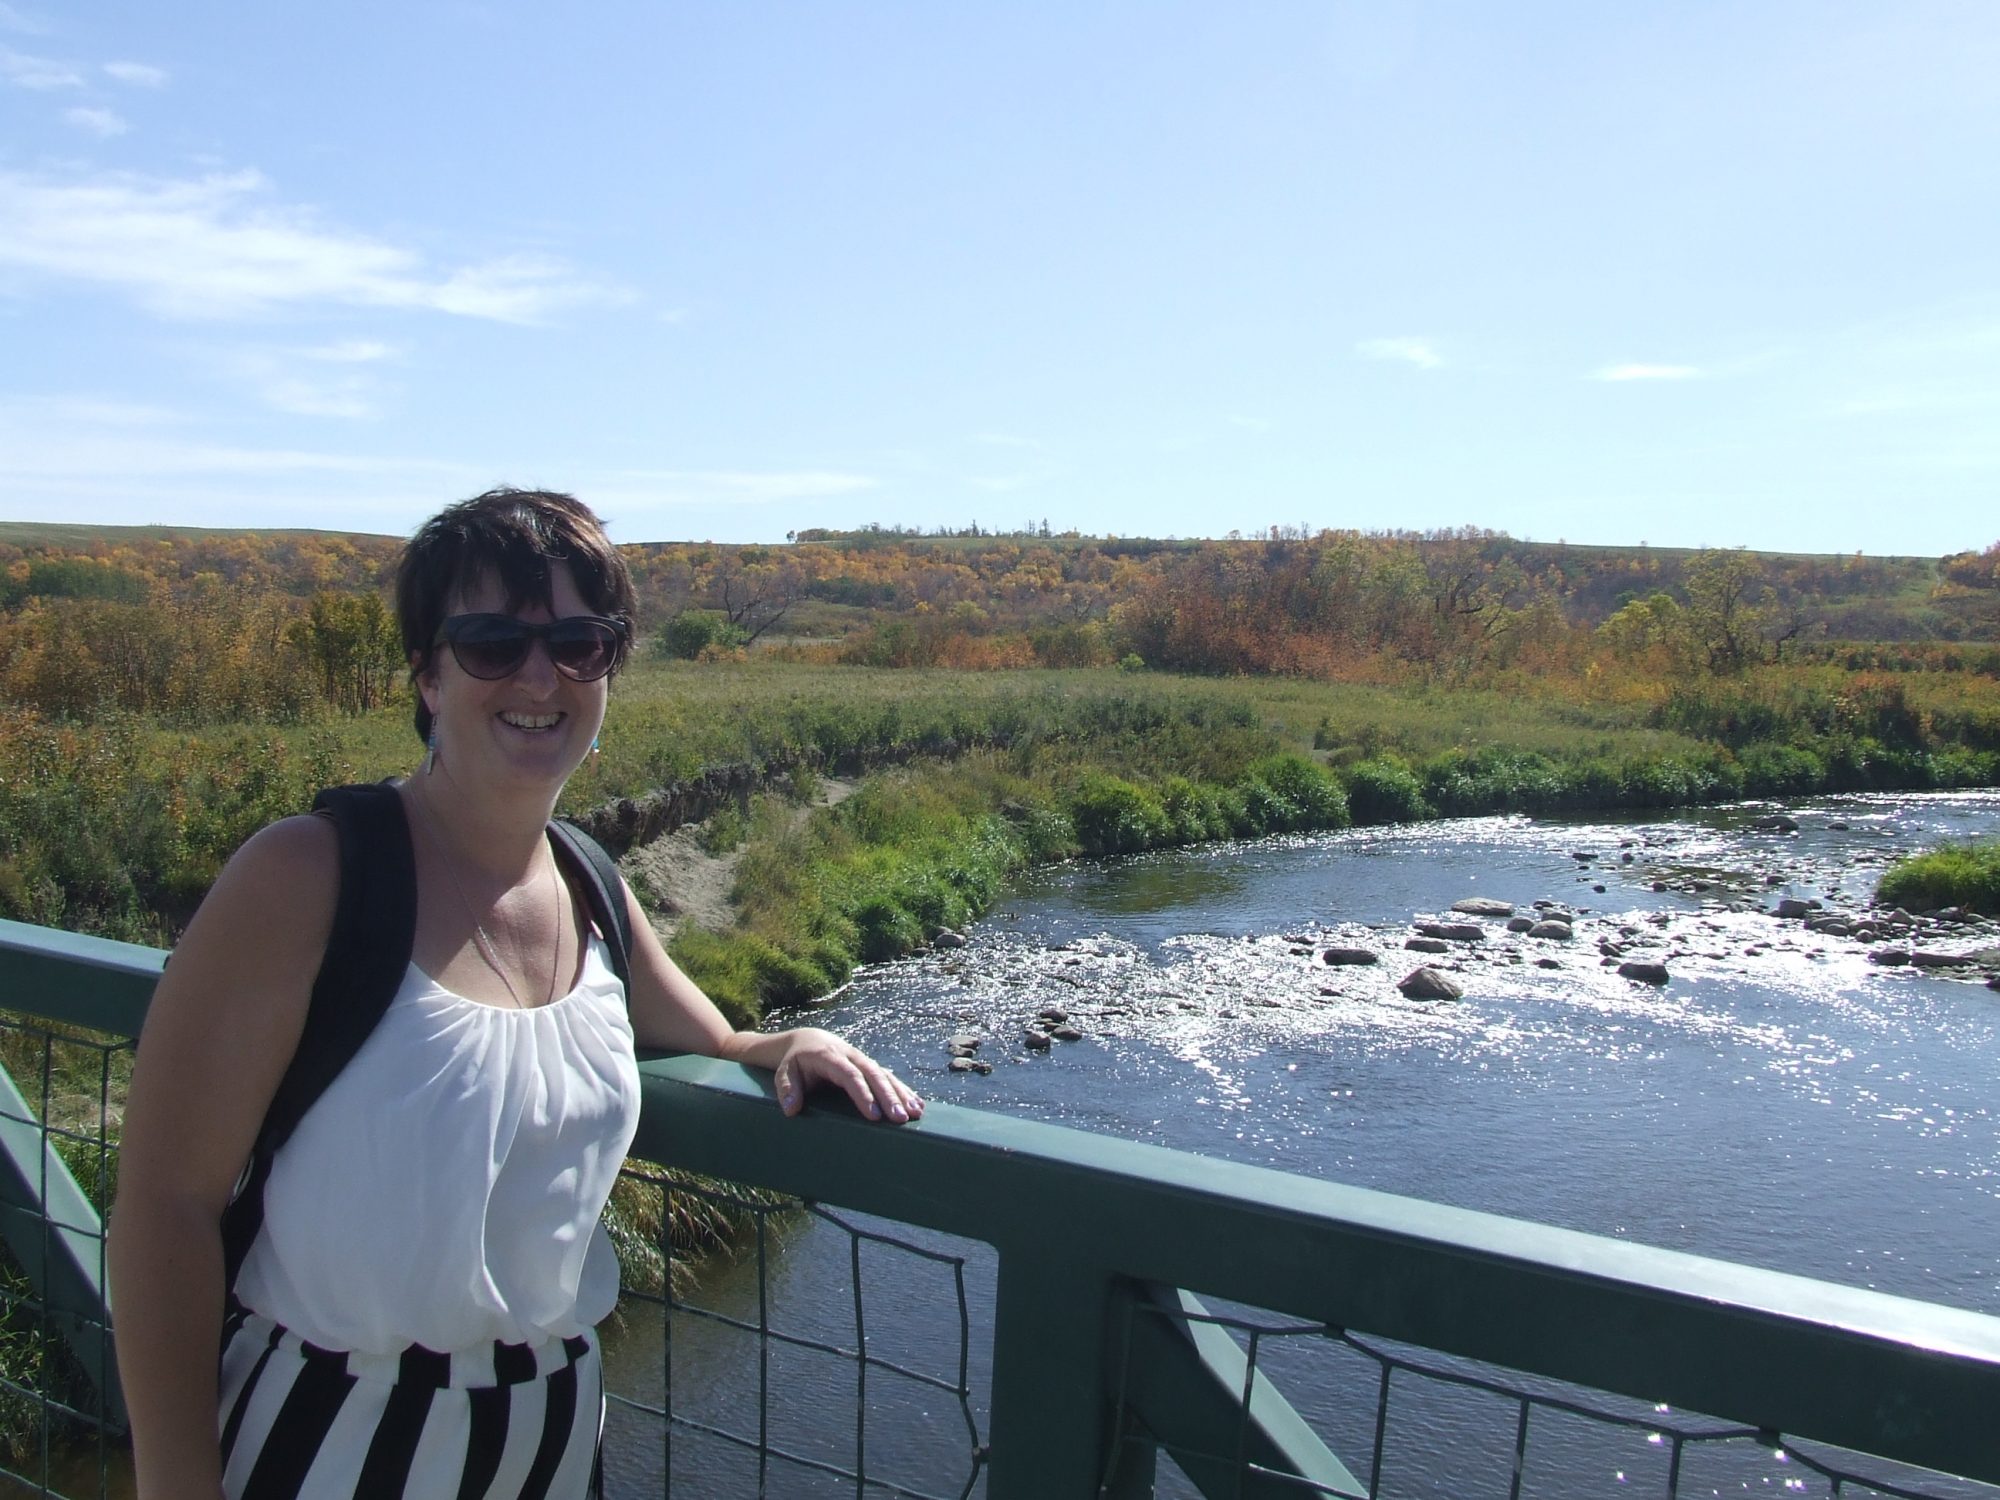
(367, 954)
(587, 862)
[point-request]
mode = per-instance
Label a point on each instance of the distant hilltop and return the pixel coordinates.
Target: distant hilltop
(1285, 600)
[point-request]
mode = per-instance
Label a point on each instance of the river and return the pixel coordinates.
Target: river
(1782, 1101)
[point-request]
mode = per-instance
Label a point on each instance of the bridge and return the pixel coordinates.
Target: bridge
(1120, 1320)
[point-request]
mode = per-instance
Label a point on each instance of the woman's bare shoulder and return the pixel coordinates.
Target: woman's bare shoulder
(227, 1014)
(300, 845)
(294, 859)
(271, 909)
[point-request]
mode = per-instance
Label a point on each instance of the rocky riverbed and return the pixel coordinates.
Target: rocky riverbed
(1783, 898)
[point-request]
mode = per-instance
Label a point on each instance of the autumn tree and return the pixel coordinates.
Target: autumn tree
(352, 643)
(1726, 614)
(754, 588)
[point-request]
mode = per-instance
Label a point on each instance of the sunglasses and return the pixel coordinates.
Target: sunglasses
(489, 647)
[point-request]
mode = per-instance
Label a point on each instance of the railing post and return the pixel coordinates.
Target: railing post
(1049, 1426)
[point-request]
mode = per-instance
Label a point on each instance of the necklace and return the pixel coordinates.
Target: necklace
(481, 941)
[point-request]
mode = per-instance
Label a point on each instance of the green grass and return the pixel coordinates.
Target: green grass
(1966, 875)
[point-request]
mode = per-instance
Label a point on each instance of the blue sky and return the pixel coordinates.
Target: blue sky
(1695, 274)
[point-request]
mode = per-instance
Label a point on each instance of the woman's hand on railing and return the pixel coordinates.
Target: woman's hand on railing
(802, 1059)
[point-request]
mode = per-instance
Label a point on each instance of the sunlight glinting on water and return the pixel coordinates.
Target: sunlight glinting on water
(1198, 982)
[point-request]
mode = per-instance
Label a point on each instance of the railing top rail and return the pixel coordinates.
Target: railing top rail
(68, 976)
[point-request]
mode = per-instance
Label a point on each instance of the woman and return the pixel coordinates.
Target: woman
(414, 1317)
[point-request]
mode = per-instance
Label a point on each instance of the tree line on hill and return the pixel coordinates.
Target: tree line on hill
(279, 626)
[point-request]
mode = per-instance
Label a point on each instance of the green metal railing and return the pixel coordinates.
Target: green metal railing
(1096, 1356)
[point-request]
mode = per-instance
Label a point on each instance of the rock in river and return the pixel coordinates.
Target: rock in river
(1560, 932)
(1457, 932)
(1428, 984)
(1483, 906)
(1645, 970)
(1338, 956)
(1925, 959)
(1427, 945)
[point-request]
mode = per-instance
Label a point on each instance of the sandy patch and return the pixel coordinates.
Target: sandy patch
(680, 882)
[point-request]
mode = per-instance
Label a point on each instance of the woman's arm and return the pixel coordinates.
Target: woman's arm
(222, 1026)
(669, 1010)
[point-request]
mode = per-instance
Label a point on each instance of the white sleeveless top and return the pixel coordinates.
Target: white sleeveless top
(445, 1189)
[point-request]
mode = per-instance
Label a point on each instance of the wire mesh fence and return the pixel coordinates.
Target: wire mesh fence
(816, 1353)
(61, 1429)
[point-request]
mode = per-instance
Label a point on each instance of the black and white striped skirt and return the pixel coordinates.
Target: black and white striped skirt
(500, 1422)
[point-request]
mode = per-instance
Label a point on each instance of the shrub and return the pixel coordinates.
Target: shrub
(1780, 771)
(1264, 809)
(1662, 782)
(1965, 768)
(1194, 811)
(1965, 875)
(1046, 833)
(1385, 791)
(693, 631)
(1312, 793)
(885, 928)
(1113, 816)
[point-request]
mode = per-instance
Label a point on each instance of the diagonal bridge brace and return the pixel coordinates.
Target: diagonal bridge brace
(1189, 1390)
(49, 1224)
(56, 1238)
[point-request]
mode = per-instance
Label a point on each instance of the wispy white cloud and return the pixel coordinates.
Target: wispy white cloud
(124, 463)
(102, 123)
(1413, 351)
(86, 445)
(25, 72)
(138, 74)
(338, 379)
(14, 19)
(302, 382)
(217, 247)
(1647, 372)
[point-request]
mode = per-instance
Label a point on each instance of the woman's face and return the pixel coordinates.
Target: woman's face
(530, 729)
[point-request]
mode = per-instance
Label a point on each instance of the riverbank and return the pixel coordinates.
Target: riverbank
(117, 824)
(923, 848)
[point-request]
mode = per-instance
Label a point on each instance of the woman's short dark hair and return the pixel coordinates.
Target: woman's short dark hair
(515, 536)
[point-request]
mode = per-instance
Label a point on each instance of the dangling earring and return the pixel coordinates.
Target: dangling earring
(595, 743)
(431, 760)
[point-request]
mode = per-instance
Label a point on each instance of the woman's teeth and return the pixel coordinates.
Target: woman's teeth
(531, 721)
